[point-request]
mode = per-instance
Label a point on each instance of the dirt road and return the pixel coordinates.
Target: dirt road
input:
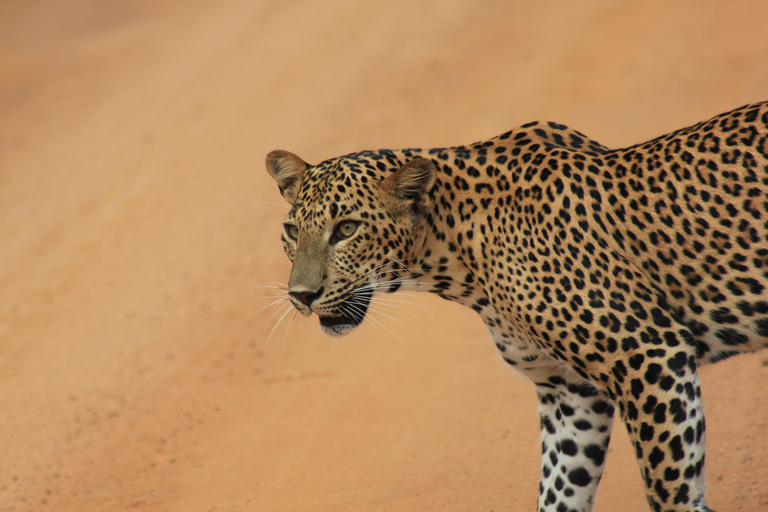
(138, 226)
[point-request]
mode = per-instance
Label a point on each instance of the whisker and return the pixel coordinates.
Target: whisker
(276, 290)
(275, 300)
(378, 312)
(273, 286)
(402, 268)
(277, 311)
(384, 287)
(376, 288)
(291, 327)
(390, 307)
(389, 298)
(379, 285)
(370, 272)
(377, 324)
(277, 296)
(381, 325)
(361, 308)
(269, 204)
(287, 310)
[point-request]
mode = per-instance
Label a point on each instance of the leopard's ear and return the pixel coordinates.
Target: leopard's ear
(286, 169)
(407, 190)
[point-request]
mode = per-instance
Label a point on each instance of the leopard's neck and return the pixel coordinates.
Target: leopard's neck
(451, 254)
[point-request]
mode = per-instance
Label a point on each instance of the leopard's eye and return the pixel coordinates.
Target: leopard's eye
(291, 231)
(344, 230)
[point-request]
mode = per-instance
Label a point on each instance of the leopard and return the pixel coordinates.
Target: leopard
(605, 276)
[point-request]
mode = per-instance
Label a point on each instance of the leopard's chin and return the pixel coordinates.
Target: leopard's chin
(335, 326)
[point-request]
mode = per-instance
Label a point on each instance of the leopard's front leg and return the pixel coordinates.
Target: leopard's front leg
(633, 349)
(576, 422)
(662, 409)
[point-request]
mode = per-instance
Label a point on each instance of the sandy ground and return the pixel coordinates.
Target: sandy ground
(138, 226)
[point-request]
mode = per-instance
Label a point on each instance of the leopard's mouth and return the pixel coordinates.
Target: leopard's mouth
(332, 321)
(350, 314)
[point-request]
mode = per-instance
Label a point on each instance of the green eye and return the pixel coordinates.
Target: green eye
(345, 230)
(291, 231)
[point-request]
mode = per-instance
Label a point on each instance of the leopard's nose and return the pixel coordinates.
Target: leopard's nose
(306, 297)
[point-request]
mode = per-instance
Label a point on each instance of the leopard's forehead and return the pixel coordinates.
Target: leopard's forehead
(342, 186)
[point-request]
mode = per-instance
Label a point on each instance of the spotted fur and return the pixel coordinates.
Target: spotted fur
(606, 276)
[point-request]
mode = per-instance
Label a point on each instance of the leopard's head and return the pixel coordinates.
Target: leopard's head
(354, 224)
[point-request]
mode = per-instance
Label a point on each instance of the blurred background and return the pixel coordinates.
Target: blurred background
(139, 235)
